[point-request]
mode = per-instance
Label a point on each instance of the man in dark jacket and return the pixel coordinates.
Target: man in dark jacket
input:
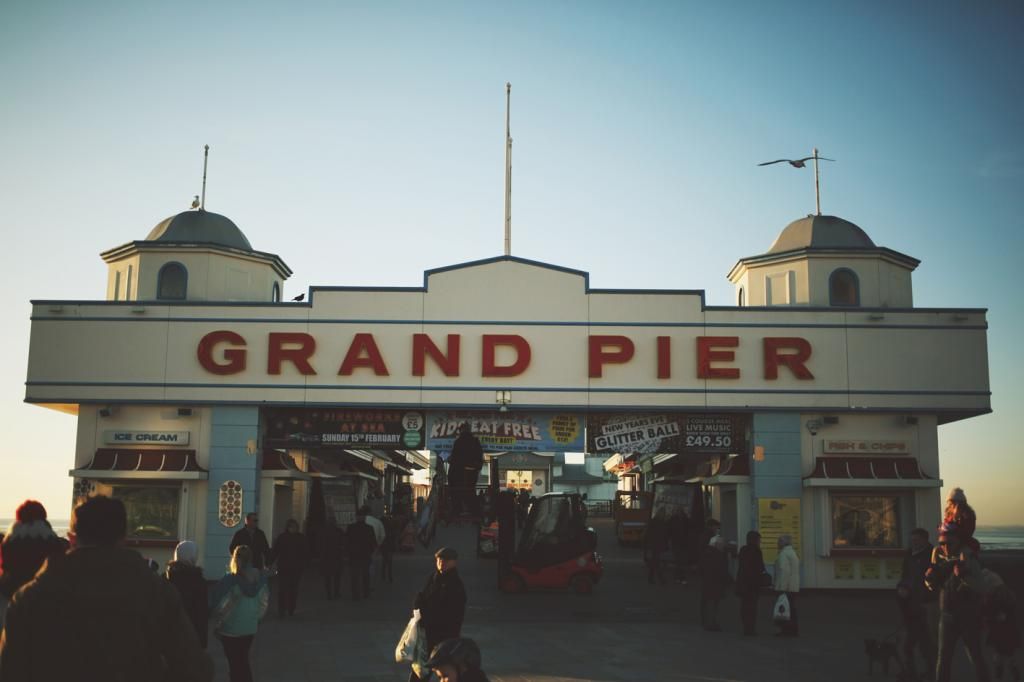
(464, 465)
(362, 543)
(291, 554)
(655, 543)
(679, 540)
(751, 576)
(960, 606)
(254, 538)
(442, 601)
(100, 613)
(913, 596)
(332, 554)
(714, 578)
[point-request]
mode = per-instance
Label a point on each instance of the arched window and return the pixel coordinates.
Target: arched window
(843, 288)
(741, 298)
(275, 293)
(172, 282)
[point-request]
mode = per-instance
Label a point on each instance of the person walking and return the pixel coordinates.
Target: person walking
(442, 601)
(456, 660)
(240, 602)
(654, 544)
(714, 578)
(362, 543)
(464, 465)
(100, 613)
(679, 539)
(332, 556)
(913, 598)
(188, 580)
(787, 582)
(751, 576)
(392, 527)
(252, 537)
(290, 553)
(952, 570)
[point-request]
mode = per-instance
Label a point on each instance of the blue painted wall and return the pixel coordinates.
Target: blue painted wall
(780, 474)
(231, 429)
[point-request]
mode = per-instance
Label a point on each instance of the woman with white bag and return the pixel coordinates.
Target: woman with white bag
(787, 585)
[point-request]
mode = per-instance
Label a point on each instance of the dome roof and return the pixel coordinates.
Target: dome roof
(821, 232)
(199, 227)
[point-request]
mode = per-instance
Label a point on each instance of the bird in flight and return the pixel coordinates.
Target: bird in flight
(299, 297)
(795, 163)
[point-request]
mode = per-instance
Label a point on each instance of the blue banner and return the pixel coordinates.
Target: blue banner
(508, 431)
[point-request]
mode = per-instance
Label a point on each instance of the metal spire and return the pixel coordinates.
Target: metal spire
(508, 171)
(206, 156)
(817, 184)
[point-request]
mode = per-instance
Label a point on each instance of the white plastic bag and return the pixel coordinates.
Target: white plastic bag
(406, 648)
(781, 612)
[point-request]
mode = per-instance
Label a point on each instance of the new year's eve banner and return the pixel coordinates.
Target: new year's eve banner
(508, 431)
(668, 432)
(356, 429)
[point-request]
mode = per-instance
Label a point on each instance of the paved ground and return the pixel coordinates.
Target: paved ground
(628, 630)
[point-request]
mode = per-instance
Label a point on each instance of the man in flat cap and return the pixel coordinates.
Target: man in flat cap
(442, 601)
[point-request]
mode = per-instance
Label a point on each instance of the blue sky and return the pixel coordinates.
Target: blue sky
(364, 143)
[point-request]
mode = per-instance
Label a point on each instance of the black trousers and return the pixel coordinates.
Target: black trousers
(654, 568)
(236, 650)
(748, 612)
(287, 592)
(918, 637)
(360, 569)
(386, 567)
(332, 582)
(709, 610)
(951, 629)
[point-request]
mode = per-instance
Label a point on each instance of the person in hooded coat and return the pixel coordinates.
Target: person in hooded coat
(28, 544)
(187, 578)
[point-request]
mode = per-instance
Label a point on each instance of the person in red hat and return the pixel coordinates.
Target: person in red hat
(29, 543)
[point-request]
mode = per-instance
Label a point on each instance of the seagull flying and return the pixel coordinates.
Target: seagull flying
(299, 297)
(795, 163)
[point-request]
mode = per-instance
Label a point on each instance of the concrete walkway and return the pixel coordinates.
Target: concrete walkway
(626, 630)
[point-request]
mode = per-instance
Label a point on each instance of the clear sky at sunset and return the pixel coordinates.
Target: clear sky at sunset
(364, 143)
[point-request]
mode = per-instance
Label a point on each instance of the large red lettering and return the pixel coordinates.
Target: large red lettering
(423, 345)
(706, 354)
(664, 357)
(794, 361)
(621, 352)
(298, 356)
(514, 341)
(234, 357)
(363, 352)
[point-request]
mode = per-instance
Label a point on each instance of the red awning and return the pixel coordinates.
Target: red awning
(891, 471)
(279, 464)
(117, 463)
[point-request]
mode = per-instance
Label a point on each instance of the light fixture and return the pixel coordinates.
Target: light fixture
(758, 453)
(107, 411)
(250, 446)
(813, 426)
(504, 399)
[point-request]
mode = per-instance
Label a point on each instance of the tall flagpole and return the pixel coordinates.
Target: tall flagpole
(508, 171)
(206, 155)
(817, 184)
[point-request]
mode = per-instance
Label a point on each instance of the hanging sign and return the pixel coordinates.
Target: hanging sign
(668, 432)
(369, 429)
(508, 431)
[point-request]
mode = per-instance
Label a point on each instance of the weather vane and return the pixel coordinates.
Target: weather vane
(801, 163)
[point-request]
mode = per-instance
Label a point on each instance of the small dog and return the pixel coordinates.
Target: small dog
(880, 652)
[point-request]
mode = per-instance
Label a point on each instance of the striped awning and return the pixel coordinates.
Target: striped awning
(111, 463)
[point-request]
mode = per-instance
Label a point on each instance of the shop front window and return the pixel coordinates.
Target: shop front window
(152, 510)
(865, 521)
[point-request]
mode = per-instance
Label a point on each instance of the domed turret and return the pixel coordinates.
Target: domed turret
(821, 232)
(194, 256)
(824, 261)
(199, 227)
